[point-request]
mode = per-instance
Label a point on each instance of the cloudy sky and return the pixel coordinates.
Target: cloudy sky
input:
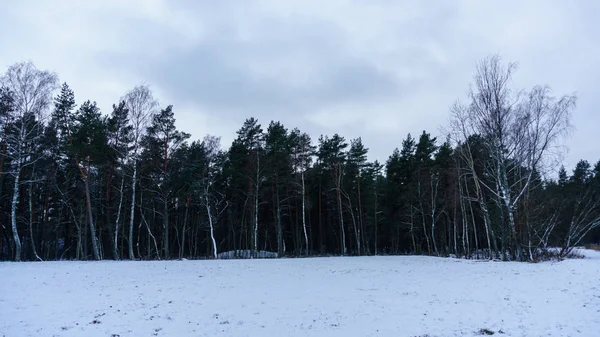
(378, 69)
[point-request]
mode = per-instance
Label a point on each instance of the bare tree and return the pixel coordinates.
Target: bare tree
(141, 105)
(520, 132)
(585, 218)
(31, 90)
(461, 131)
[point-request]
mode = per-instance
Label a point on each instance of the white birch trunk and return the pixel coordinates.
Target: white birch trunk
(35, 254)
(212, 231)
(132, 211)
(13, 213)
(506, 198)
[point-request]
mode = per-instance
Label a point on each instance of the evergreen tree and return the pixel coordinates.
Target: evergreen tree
(119, 135)
(161, 143)
(480, 194)
(332, 157)
(356, 163)
(89, 149)
(277, 153)
(302, 151)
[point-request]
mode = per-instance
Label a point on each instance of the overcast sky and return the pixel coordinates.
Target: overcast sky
(378, 69)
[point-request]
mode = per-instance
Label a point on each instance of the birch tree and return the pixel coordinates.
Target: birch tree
(578, 199)
(31, 90)
(212, 199)
(141, 105)
(520, 131)
(467, 171)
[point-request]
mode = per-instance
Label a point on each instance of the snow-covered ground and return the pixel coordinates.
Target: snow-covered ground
(364, 296)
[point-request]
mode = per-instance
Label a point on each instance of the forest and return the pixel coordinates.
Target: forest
(78, 183)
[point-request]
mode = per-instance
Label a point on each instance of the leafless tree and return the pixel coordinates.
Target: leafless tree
(141, 105)
(31, 90)
(460, 133)
(585, 218)
(519, 130)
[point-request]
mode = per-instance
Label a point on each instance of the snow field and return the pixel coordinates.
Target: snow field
(352, 296)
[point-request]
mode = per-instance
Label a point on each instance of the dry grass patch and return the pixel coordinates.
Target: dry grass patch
(595, 247)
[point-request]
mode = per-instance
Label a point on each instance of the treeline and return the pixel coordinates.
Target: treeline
(79, 184)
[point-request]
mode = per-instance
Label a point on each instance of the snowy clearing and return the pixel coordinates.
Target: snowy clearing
(353, 296)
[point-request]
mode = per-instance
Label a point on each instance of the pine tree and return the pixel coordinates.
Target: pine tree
(89, 149)
(332, 157)
(357, 161)
(161, 143)
(247, 150)
(119, 141)
(277, 159)
(427, 184)
(302, 151)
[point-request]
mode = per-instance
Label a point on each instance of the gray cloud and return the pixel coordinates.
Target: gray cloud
(377, 69)
(226, 73)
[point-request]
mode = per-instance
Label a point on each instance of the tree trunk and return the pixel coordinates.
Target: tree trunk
(118, 221)
(320, 219)
(360, 215)
(31, 236)
(507, 199)
(166, 227)
(149, 231)
(357, 232)
(88, 202)
(422, 211)
(376, 224)
(491, 238)
(280, 249)
(434, 191)
(474, 229)
(212, 232)
(185, 218)
(341, 214)
(13, 215)
(255, 246)
(304, 213)
(132, 211)
(412, 229)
